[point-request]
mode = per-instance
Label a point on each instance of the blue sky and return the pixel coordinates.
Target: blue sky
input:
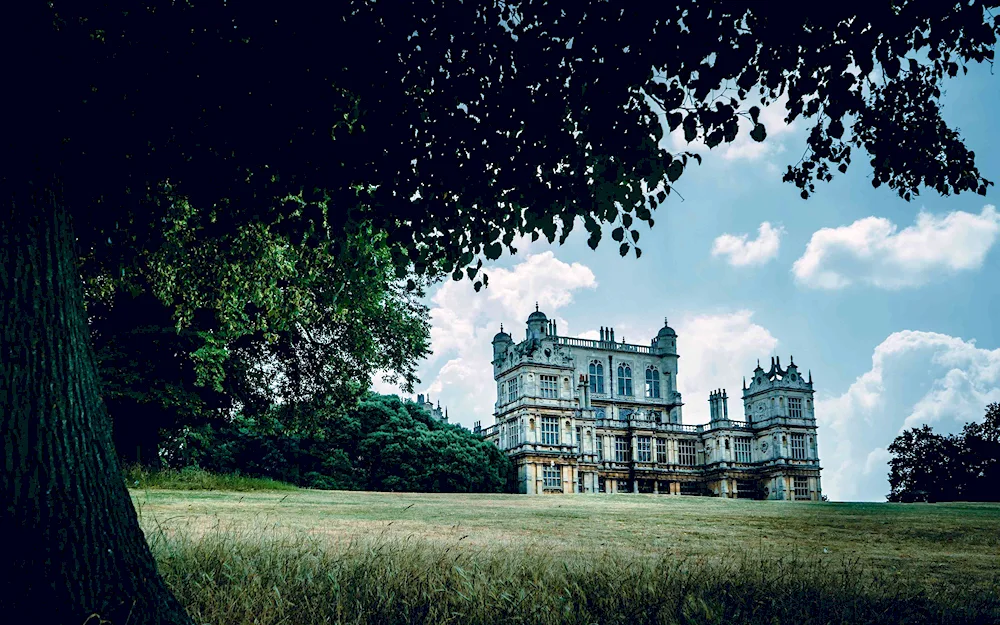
(892, 305)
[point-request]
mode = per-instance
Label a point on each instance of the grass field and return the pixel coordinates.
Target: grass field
(319, 556)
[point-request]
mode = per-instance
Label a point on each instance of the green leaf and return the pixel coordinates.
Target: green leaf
(618, 234)
(623, 250)
(674, 171)
(690, 128)
(759, 133)
(754, 113)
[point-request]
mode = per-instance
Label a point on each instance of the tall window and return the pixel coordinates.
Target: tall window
(623, 452)
(514, 433)
(551, 477)
(578, 447)
(742, 444)
(625, 380)
(550, 430)
(686, 453)
(550, 386)
(798, 446)
(643, 449)
(661, 450)
(512, 393)
(795, 407)
(596, 377)
(500, 391)
(600, 449)
(801, 485)
(652, 382)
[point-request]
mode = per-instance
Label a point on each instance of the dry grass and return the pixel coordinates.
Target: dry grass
(321, 556)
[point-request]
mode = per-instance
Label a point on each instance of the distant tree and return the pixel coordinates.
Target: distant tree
(451, 127)
(926, 466)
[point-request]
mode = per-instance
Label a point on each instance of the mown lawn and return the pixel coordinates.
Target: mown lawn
(571, 559)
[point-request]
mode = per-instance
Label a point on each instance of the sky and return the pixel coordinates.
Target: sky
(892, 305)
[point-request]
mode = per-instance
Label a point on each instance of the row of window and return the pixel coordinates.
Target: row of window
(552, 478)
(644, 450)
(652, 389)
(549, 388)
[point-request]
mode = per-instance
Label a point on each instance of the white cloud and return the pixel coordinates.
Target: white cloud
(873, 251)
(740, 251)
(716, 350)
(464, 322)
(915, 378)
(743, 147)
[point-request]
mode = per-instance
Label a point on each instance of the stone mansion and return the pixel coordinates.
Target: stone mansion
(584, 416)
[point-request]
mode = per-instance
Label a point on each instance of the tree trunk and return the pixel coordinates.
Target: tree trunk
(73, 549)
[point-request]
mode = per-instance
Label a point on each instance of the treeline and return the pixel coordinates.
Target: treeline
(382, 443)
(927, 466)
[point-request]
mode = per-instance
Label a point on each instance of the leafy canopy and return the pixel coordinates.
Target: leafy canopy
(454, 126)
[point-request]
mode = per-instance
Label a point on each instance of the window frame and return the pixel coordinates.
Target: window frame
(550, 430)
(743, 449)
(795, 407)
(512, 389)
(798, 446)
(623, 449)
(596, 372)
(800, 488)
(551, 476)
(625, 388)
(661, 451)
(652, 388)
(644, 449)
(687, 453)
(548, 386)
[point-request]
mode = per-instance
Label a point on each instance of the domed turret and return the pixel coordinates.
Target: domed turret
(666, 339)
(537, 324)
(501, 342)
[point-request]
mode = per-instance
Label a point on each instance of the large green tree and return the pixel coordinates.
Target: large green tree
(450, 126)
(260, 321)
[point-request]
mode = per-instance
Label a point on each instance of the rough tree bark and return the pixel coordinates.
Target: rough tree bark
(73, 549)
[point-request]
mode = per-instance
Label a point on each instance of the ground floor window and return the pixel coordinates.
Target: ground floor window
(801, 485)
(663, 486)
(551, 477)
(601, 488)
(579, 482)
(645, 486)
(747, 489)
(624, 486)
(690, 488)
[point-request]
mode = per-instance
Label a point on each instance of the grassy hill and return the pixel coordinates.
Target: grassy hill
(320, 556)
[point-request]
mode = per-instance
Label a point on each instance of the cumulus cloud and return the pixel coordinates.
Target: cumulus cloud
(874, 251)
(916, 378)
(463, 324)
(716, 351)
(740, 251)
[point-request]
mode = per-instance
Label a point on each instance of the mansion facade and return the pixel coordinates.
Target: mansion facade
(585, 416)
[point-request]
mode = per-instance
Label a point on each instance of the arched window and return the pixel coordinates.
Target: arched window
(596, 377)
(624, 380)
(652, 382)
